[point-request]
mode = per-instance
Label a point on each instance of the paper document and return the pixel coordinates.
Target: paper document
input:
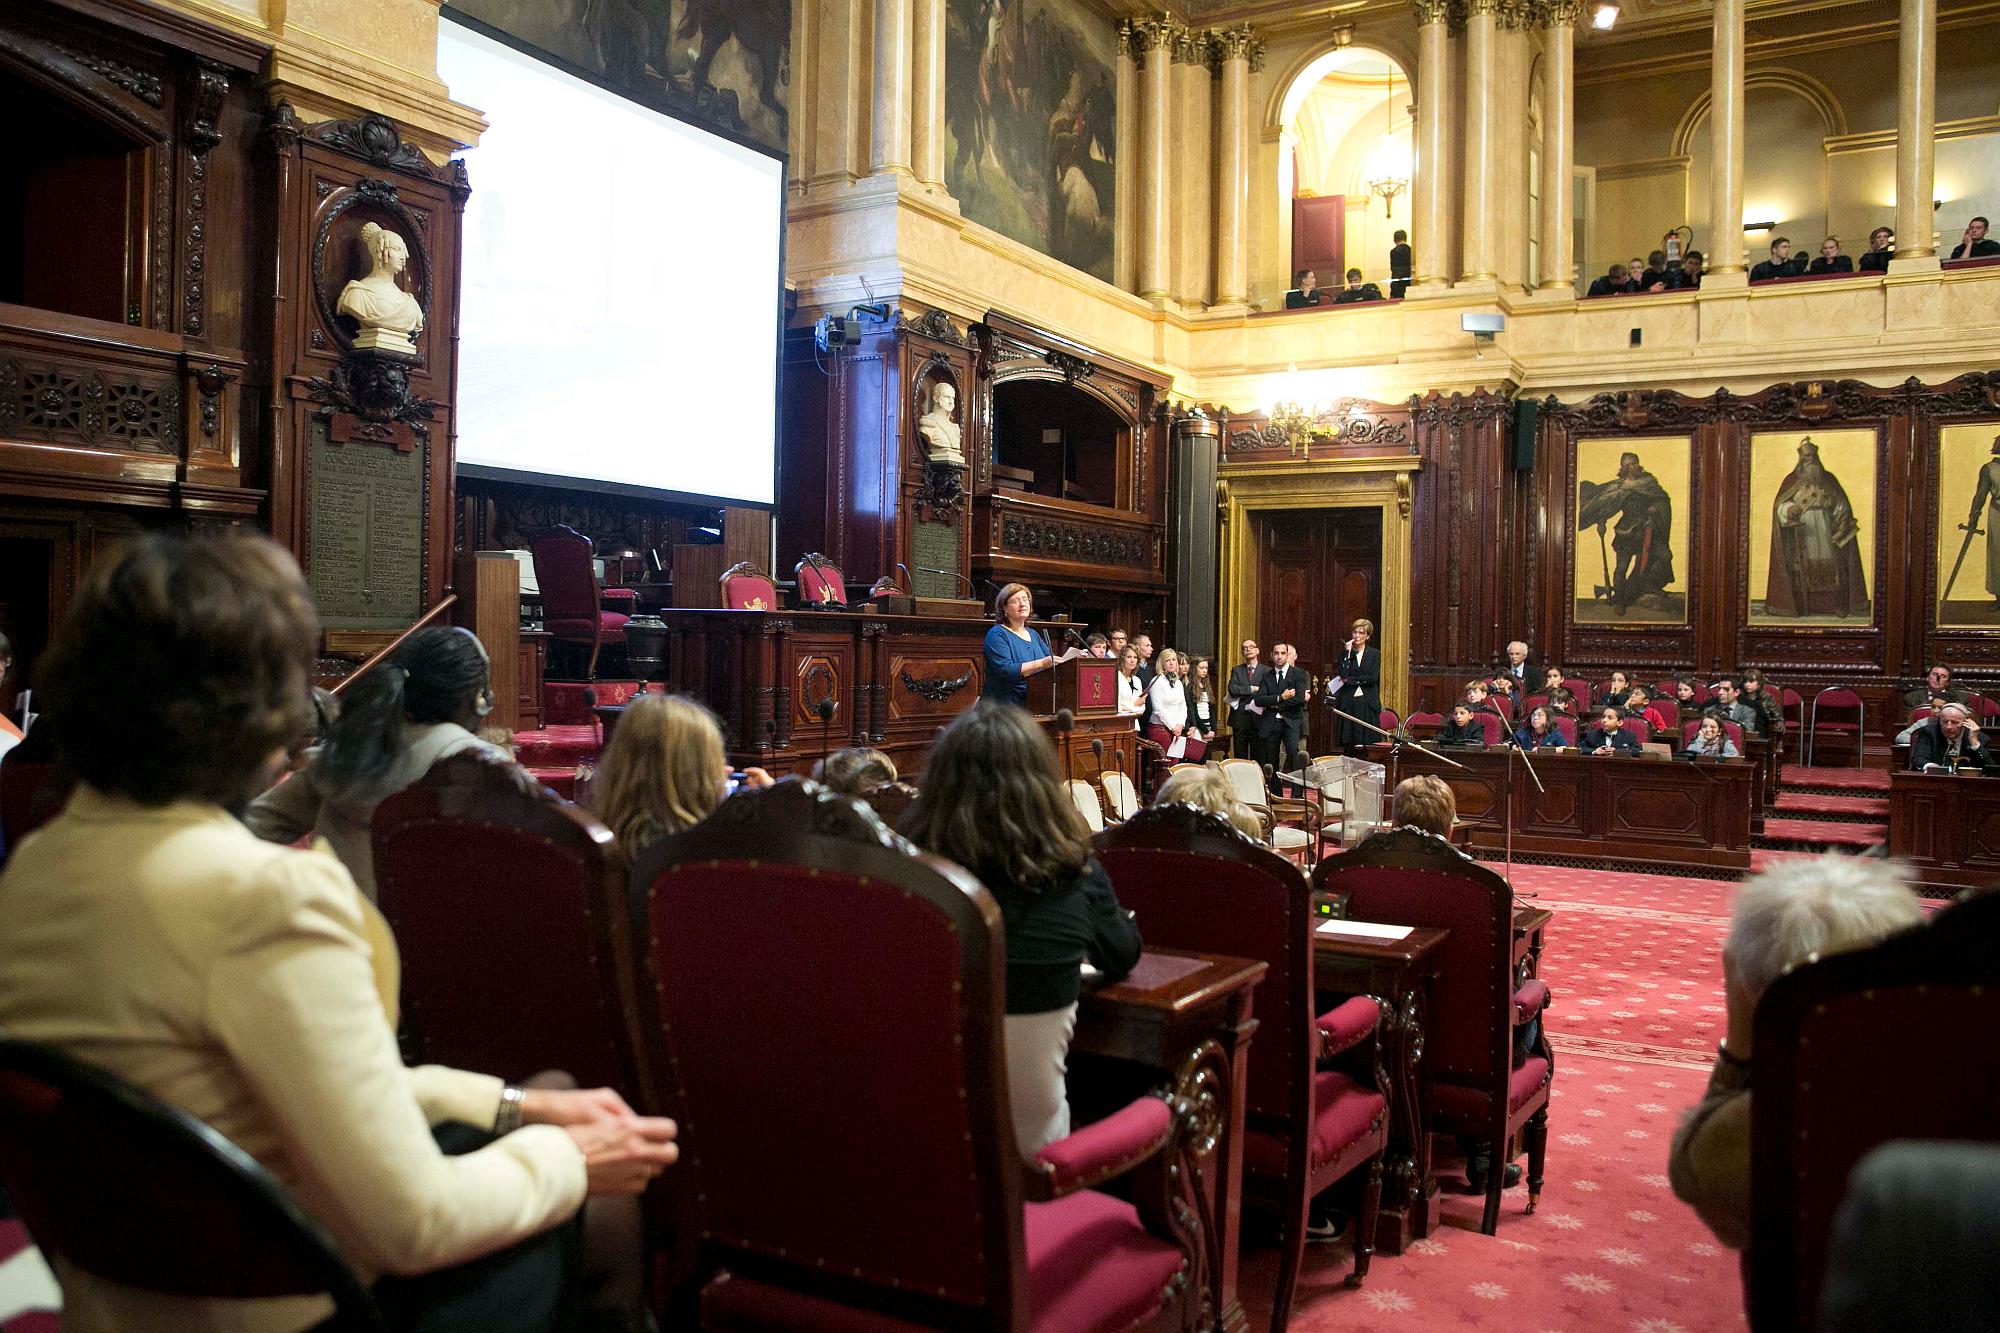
(1333, 686)
(1254, 707)
(1178, 750)
(1365, 930)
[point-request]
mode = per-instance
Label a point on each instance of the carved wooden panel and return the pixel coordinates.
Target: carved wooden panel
(1557, 807)
(94, 406)
(1653, 811)
(820, 673)
(923, 686)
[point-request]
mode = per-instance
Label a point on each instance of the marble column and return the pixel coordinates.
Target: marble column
(1125, 153)
(927, 94)
(1558, 144)
(1153, 47)
(1482, 69)
(889, 129)
(1916, 131)
(1240, 52)
(1430, 202)
(1725, 131)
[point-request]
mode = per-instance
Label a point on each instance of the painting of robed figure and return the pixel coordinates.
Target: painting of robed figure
(1812, 528)
(1631, 531)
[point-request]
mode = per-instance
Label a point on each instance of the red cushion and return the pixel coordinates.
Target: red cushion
(1347, 1023)
(1091, 1265)
(609, 622)
(619, 595)
(1111, 1145)
(1530, 1000)
(1343, 1112)
(741, 1305)
(1466, 1103)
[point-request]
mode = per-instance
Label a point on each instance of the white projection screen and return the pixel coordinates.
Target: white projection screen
(622, 282)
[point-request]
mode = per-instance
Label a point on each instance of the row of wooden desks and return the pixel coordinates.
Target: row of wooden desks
(1189, 1016)
(1946, 828)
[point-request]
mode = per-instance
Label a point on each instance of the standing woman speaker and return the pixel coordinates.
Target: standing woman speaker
(1359, 694)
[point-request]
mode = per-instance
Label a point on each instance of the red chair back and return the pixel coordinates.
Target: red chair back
(1493, 725)
(1504, 703)
(1640, 728)
(1580, 688)
(1388, 720)
(1407, 878)
(208, 1222)
(1424, 724)
(1733, 730)
(1915, 1014)
(819, 580)
(1670, 712)
(509, 912)
(1666, 689)
(1839, 702)
(748, 588)
(1534, 701)
(841, 1120)
(1196, 883)
(1567, 726)
(566, 570)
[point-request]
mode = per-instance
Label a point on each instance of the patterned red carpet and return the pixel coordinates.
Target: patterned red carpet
(1635, 963)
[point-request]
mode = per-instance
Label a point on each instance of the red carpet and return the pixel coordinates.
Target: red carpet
(1810, 803)
(1635, 964)
(1844, 779)
(1829, 834)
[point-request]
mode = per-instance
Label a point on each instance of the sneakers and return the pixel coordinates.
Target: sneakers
(1326, 1224)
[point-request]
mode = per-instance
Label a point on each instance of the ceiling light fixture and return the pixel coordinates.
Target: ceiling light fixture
(1603, 14)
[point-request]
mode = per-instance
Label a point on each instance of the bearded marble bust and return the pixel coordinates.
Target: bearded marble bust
(390, 318)
(940, 432)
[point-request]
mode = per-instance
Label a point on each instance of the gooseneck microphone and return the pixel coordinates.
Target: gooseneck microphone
(1065, 725)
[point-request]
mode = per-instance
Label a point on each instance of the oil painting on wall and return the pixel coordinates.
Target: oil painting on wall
(1812, 528)
(1030, 123)
(1968, 526)
(725, 63)
(1630, 557)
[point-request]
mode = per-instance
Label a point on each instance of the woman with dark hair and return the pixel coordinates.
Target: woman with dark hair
(1201, 699)
(993, 801)
(1014, 651)
(417, 706)
(150, 934)
(1540, 732)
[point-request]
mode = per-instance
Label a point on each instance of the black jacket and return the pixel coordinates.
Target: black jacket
(1928, 746)
(1778, 268)
(1051, 930)
(1621, 741)
(1838, 264)
(1877, 261)
(1470, 734)
(1983, 248)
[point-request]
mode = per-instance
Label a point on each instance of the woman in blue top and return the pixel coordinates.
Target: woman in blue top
(1013, 651)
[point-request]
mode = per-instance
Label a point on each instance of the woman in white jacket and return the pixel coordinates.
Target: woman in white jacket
(1171, 722)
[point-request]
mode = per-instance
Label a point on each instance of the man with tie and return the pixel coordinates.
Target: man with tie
(1518, 667)
(1283, 698)
(1246, 716)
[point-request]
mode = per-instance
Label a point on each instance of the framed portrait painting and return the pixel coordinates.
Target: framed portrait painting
(1812, 528)
(1968, 526)
(1629, 561)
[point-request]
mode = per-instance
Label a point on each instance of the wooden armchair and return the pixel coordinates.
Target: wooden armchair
(892, 1194)
(1853, 1051)
(1291, 823)
(508, 906)
(819, 582)
(748, 588)
(572, 595)
(1409, 878)
(1198, 884)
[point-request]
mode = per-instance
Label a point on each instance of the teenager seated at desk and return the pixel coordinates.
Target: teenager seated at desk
(1305, 290)
(1463, 729)
(1951, 740)
(1609, 735)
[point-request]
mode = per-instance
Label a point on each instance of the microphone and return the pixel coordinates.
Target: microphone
(825, 709)
(908, 582)
(1070, 635)
(1066, 723)
(948, 573)
(1097, 748)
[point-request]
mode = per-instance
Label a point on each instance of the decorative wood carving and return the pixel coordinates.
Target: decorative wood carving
(85, 405)
(936, 689)
(373, 139)
(1074, 542)
(936, 324)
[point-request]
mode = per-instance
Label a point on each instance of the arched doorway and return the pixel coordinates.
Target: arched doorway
(1343, 166)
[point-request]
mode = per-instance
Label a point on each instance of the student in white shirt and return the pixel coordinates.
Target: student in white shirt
(1131, 686)
(1168, 695)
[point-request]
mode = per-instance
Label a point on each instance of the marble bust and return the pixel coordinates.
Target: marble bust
(939, 430)
(390, 318)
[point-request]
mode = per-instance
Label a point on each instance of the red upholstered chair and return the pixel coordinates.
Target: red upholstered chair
(1504, 704)
(1409, 878)
(1493, 725)
(194, 1215)
(1388, 720)
(748, 588)
(1670, 712)
(572, 597)
(819, 581)
(1424, 725)
(1640, 728)
(1732, 730)
(1534, 701)
(508, 907)
(1839, 702)
(1928, 1000)
(1580, 688)
(1196, 883)
(846, 1121)
(1567, 726)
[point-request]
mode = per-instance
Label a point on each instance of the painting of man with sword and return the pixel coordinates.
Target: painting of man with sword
(1633, 514)
(1982, 520)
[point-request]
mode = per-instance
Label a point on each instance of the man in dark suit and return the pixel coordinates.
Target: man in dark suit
(1246, 718)
(1401, 265)
(1951, 740)
(1609, 735)
(1729, 706)
(1519, 668)
(1283, 697)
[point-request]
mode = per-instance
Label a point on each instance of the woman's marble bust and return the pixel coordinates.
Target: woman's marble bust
(390, 318)
(940, 433)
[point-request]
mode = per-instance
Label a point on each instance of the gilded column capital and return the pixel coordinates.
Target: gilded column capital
(1474, 8)
(1237, 44)
(1558, 13)
(1192, 46)
(1431, 11)
(1162, 34)
(1515, 15)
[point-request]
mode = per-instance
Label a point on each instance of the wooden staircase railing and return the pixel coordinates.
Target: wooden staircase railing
(450, 600)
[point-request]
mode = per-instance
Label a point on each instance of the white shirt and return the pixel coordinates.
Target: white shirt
(1169, 703)
(1130, 691)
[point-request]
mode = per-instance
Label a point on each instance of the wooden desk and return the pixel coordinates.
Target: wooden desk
(1399, 973)
(1642, 811)
(1946, 828)
(1188, 1015)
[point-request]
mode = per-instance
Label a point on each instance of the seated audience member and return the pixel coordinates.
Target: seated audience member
(1937, 685)
(1478, 698)
(1118, 641)
(665, 771)
(1975, 243)
(1097, 646)
(1207, 789)
(1711, 742)
(1615, 282)
(1727, 704)
(1463, 728)
(149, 932)
(418, 706)
(1821, 905)
(851, 771)
(1402, 265)
(1951, 740)
(1912, 1244)
(1357, 290)
(10, 735)
(1540, 732)
(1881, 249)
(1638, 703)
(1560, 696)
(1829, 259)
(993, 800)
(1764, 702)
(1200, 681)
(1684, 694)
(1635, 274)
(1519, 668)
(1781, 264)
(1688, 276)
(1424, 803)
(1617, 688)
(1654, 277)
(1502, 687)
(1131, 686)
(1305, 290)
(1609, 735)
(1170, 720)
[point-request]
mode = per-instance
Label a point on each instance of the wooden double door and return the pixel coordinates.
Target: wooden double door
(1318, 571)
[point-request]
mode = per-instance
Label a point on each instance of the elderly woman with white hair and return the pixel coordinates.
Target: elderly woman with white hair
(1790, 914)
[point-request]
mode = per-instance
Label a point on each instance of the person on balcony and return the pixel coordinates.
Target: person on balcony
(1975, 243)
(1881, 249)
(1829, 259)
(1781, 264)
(1357, 290)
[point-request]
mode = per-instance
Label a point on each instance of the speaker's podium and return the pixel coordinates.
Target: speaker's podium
(1098, 738)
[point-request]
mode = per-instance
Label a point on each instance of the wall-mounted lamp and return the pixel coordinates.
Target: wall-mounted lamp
(1603, 14)
(1760, 226)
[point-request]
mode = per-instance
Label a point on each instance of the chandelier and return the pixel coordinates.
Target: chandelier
(1388, 185)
